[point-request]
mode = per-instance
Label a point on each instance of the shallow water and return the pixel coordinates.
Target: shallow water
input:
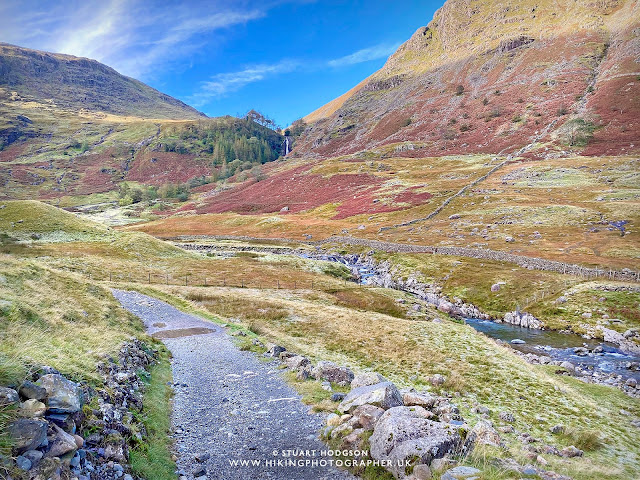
(560, 346)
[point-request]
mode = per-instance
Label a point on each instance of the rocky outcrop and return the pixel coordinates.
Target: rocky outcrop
(384, 395)
(522, 319)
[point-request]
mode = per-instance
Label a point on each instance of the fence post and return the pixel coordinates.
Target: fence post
(242, 283)
(295, 285)
(205, 281)
(224, 281)
(311, 284)
(278, 284)
(149, 278)
(110, 276)
(186, 280)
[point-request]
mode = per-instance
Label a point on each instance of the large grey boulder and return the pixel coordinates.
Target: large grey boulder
(404, 437)
(384, 395)
(484, 434)
(28, 434)
(367, 416)
(333, 373)
(296, 362)
(365, 379)
(63, 396)
(418, 399)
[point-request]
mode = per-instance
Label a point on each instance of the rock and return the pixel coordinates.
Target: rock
(61, 444)
(333, 373)
(115, 452)
(481, 409)
(509, 239)
(541, 460)
(517, 341)
(63, 396)
(384, 395)
(571, 451)
(507, 417)
(8, 396)
(367, 378)
(202, 457)
(275, 351)
(31, 390)
(28, 434)
(404, 434)
(557, 429)
(422, 472)
(529, 470)
(455, 216)
(367, 416)
(495, 287)
(568, 366)
(561, 299)
(79, 441)
(437, 380)
(337, 397)
(296, 362)
(34, 457)
(32, 408)
(354, 440)
(461, 473)
(631, 382)
(484, 434)
(581, 351)
(445, 307)
(23, 463)
(199, 470)
(418, 399)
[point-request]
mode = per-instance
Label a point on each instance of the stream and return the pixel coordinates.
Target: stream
(591, 356)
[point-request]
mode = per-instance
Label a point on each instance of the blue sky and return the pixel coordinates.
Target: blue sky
(284, 58)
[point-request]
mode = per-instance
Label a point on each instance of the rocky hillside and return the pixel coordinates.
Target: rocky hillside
(83, 84)
(493, 77)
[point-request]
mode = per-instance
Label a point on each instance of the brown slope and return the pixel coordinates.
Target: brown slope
(522, 65)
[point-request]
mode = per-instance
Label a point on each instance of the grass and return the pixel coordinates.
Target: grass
(152, 458)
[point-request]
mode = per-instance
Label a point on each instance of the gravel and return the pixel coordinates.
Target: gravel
(231, 405)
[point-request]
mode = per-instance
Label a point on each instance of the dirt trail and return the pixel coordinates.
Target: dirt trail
(230, 405)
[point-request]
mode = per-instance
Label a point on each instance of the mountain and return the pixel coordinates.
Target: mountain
(72, 127)
(493, 77)
(81, 83)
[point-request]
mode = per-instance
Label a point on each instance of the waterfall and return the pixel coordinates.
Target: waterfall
(286, 146)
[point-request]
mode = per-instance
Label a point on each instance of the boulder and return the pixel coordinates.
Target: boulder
(296, 362)
(461, 473)
(23, 463)
(437, 380)
(61, 444)
(34, 456)
(424, 400)
(8, 396)
(63, 396)
(571, 451)
(484, 434)
(28, 434)
(495, 287)
(31, 390)
(422, 472)
(32, 408)
(568, 366)
(404, 437)
(384, 395)
(367, 378)
(367, 416)
(333, 373)
(275, 351)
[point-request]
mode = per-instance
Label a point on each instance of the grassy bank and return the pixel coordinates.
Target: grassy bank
(151, 459)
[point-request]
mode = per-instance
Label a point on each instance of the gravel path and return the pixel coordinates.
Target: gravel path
(231, 406)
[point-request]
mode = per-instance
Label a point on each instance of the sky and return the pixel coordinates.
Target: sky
(284, 58)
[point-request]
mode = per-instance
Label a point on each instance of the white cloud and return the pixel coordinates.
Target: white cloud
(223, 83)
(365, 55)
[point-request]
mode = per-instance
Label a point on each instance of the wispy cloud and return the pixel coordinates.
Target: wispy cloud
(223, 83)
(365, 55)
(133, 36)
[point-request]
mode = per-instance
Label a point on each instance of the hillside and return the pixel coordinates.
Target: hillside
(72, 130)
(492, 77)
(83, 84)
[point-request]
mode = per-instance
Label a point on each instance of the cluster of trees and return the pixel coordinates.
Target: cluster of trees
(248, 139)
(130, 194)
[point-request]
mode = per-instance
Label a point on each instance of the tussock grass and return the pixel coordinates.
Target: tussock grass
(51, 318)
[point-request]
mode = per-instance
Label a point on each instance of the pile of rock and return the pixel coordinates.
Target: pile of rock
(522, 319)
(57, 435)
